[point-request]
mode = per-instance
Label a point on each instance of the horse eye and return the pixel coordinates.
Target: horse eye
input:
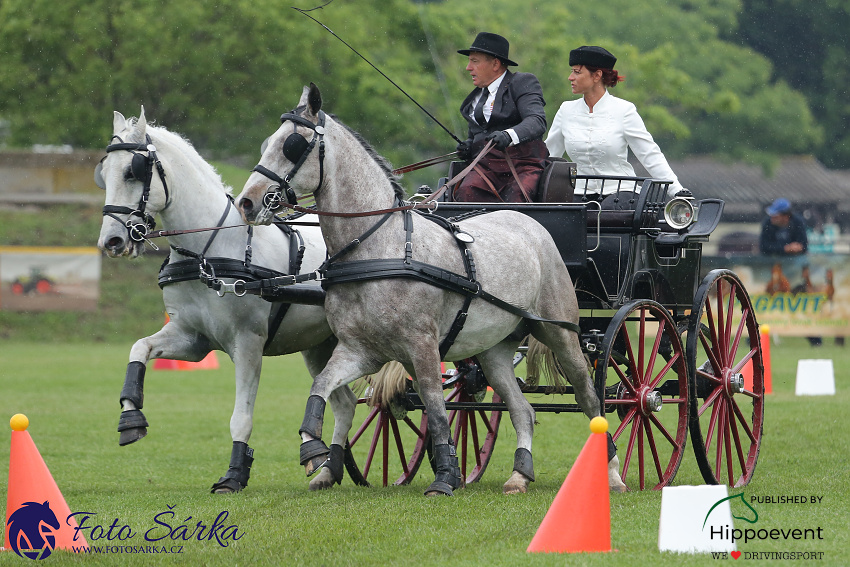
(128, 174)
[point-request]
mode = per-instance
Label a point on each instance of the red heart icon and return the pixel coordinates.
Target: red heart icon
(736, 554)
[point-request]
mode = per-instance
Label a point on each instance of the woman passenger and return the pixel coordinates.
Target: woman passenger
(598, 129)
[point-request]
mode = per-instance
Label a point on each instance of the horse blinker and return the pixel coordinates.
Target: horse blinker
(294, 147)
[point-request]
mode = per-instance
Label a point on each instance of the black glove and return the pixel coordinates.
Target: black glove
(464, 150)
(501, 138)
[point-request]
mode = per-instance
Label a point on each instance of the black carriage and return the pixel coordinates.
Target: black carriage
(670, 353)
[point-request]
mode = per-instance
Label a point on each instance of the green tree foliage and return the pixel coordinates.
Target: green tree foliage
(221, 72)
(808, 43)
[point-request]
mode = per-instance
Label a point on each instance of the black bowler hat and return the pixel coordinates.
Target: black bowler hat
(491, 44)
(592, 56)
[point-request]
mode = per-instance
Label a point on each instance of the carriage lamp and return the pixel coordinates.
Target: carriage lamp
(680, 212)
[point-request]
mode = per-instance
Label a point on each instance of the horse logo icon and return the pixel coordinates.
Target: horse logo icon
(32, 530)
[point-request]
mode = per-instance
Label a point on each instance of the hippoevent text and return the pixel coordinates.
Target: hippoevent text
(166, 526)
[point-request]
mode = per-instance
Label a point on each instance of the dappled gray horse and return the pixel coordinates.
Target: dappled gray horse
(189, 194)
(404, 319)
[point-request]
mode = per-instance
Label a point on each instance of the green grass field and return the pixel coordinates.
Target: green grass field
(70, 394)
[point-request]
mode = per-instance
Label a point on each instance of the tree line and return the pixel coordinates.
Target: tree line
(220, 72)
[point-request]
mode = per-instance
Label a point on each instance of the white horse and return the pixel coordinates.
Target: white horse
(397, 318)
(190, 194)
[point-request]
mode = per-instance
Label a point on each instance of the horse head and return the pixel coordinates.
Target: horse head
(126, 174)
(292, 161)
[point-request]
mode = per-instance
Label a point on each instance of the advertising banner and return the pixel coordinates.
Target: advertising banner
(34, 278)
(805, 295)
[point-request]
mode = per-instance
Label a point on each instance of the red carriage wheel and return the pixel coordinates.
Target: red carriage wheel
(393, 431)
(642, 369)
(17, 288)
(474, 432)
(727, 380)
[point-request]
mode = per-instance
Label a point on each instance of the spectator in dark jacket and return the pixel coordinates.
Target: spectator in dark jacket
(783, 232)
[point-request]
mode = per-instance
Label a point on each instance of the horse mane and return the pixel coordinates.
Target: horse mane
(382, 162)
(176, 139)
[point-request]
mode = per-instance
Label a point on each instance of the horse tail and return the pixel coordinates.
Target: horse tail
(541, 361)
(387, 383)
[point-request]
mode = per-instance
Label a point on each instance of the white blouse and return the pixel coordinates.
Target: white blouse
(599, 141)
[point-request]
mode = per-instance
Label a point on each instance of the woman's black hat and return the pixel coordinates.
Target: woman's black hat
(592, 56)
(491, 44)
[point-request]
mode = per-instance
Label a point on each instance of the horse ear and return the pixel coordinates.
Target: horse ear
(314, 98)
(118, 122)
(142, 123)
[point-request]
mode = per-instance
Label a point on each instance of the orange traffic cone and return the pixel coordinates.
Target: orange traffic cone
(747, 371)
(38, 519)
(210, 362)
(579, 519)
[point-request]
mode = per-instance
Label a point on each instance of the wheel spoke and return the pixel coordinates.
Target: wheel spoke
(738, 446)
(708, 401)
(651, 440)
(373, 413)
(624, 379)
(729, 461)
(721, 428)
(743, 362)
(663, 372)
(712, 357)
(413, 428)
(641, 464)
(647, 372)
(713, 419)
(476, 446)
(743, 421)
(397, 436)
(733, 349)
(664, 431)
(641, 338)
(626, 420)
(630, 446)
(730, 311)
(486, 421)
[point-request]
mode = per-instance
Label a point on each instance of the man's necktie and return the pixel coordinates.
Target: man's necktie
(479, 108)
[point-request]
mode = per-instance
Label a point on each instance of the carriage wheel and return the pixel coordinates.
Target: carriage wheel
(647, 390)
(727, 380)
(474, 432)
(389, 423)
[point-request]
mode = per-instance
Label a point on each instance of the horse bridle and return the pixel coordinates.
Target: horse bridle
(296, 149)
(141, 169)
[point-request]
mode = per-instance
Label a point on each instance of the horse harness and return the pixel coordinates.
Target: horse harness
(296, 149)
(333, 272)
(141, 169)
(202, 268)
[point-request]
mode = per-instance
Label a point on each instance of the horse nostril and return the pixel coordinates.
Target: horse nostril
(115, 243)
(246, 205)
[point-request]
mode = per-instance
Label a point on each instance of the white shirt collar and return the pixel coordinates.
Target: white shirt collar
(494, 86)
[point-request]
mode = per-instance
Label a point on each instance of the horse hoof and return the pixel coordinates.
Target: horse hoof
(323, 481)
(615, 483)
(131, 435)
(517, 484)
(439, 488)
(226, 486)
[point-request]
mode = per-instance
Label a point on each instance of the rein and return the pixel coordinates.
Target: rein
(430, 200)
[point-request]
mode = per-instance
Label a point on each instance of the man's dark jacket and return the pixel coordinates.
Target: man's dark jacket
(518, 104)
